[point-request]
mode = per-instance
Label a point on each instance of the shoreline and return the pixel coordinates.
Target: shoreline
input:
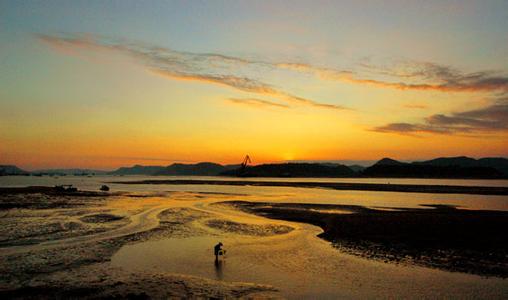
(437, 236)
(344, 186)
(64, 245)
(60, 245)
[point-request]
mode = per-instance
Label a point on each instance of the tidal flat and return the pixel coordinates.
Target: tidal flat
(159, 244)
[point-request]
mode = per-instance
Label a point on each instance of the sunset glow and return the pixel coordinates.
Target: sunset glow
(168, 83)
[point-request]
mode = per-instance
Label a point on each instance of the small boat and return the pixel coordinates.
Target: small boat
(104, 188)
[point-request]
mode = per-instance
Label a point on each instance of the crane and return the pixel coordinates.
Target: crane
(243, 166)
(246, 161)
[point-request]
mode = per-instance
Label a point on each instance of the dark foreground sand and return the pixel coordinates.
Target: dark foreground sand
(438, 236)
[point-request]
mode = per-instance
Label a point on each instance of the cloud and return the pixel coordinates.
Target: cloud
(401, 128)
(431, 76)
(492, 118)
(247, 85)
(177, 65)
(411, 69)
(425, 76)
(416, 106)
(257, 102)
(240, 83)
(229, 71)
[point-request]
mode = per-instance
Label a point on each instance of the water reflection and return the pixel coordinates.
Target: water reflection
(288, 194)
(219, 267)
(298, 263)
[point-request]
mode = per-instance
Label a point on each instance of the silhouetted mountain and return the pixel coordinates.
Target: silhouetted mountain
(357, 168)
(294, 170)
(199, 169)
(11, 170)
(444, 167)
(461, 161)
(389, 162)
(69, 172)
(177, 169)
(138, 170)
(498, 163)
(452, 167)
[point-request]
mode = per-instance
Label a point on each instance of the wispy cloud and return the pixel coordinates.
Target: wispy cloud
(230, 71)
(422, 76)
(177, 65)
(257, 102)
(247, 85)
(406, 75)
(416, 106)
(492, 118)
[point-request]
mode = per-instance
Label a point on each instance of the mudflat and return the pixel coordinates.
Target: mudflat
(159, 244)
(437, 236)
(59, 245)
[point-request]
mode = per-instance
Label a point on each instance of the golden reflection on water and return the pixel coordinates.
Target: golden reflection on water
(298, 263)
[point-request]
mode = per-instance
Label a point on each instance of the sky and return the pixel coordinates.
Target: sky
(103, 84)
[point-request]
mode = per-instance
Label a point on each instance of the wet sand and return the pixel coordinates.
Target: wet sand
(60, 246)
(345, 186)
(438, 236)
(159, 245)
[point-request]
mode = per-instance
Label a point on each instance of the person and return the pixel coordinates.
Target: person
(217, 250)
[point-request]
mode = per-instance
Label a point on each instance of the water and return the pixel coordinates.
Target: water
(289, 194)
(303, 267)
(299, 264)
(83, 181)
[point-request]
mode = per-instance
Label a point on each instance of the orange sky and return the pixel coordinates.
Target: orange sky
(216, 90)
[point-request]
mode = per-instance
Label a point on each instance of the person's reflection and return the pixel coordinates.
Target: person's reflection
(219, 264)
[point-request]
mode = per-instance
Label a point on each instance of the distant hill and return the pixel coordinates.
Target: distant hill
(199, 169)
(138, 170)
(70, 172)
(444, 167)
(462, 161)
(177, 169)
(357, 168)
(294, 170)
(498, 163)
(6, 170)
(389, 162)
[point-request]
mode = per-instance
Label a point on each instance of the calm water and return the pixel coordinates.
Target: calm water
(289, 194)
(299, 264)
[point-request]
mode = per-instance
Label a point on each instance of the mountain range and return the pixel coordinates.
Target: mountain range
(177, 169)
(11, 170)
(444, 167)
(63, 172)
(294, 170)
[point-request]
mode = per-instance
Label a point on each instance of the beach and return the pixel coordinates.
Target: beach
(60, 245)
(158, 244)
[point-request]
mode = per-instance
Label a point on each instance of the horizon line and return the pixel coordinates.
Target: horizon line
(347, 162)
